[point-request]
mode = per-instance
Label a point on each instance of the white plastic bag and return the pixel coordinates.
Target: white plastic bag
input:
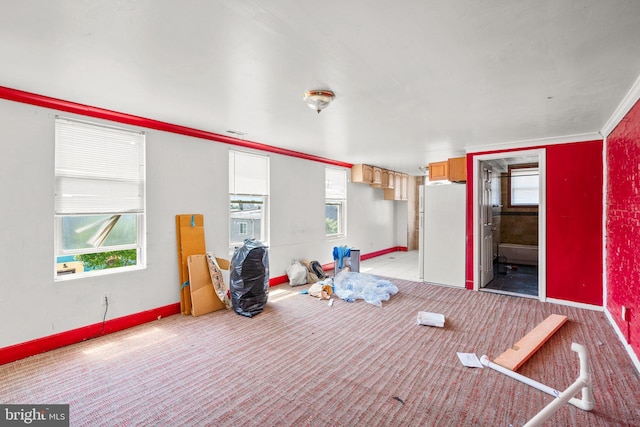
(430, 319)
(351, 286)
(297, 274)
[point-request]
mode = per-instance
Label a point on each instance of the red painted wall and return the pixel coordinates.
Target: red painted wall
(623, 225)
(574, 221)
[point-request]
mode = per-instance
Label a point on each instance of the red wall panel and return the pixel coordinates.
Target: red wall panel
(623, 225)
(574, 221)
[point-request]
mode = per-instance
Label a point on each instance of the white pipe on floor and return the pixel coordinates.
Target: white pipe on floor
(587, 402)
(582, 383)
(533, 383)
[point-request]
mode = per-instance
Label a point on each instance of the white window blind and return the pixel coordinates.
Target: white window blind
(98, 169)
(525, 186)
(335, 191)
(248, 173)
(335, 183)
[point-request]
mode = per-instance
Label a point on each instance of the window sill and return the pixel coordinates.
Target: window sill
(96, 273)
(335, 237)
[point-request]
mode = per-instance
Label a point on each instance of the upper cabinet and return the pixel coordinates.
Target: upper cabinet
(438, 171)
(391, 180)
(394, 184)
(362, 173)
(458, 169)
(401, 188)
(454, 169)
(385, 178)
(405, 187)
(377, 177)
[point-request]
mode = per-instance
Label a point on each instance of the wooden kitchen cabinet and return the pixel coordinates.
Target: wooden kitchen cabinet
(439, 170)
(404, 191)
(400, 189)
(362, 173)
(389, 194)
(458, 169)
(377, 177)
(385, 178)
(395, 185)
(453, 169)
(391, 180)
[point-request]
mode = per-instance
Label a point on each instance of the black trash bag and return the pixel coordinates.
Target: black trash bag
(249, 278)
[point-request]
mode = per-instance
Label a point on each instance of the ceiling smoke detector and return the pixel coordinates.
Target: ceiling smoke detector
(318, 99)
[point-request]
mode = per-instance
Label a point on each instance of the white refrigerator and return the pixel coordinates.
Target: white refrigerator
(442, 234)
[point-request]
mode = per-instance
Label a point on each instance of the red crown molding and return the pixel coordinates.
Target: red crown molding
(114, 116)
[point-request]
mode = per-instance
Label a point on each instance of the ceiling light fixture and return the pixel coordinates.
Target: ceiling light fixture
(318, 99)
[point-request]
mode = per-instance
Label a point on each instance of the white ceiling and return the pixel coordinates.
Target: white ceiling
(415, 81)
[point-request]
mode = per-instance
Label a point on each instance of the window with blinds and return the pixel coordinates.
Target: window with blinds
(248, 198)
(335, 202)
(524, 185)
(99, 198)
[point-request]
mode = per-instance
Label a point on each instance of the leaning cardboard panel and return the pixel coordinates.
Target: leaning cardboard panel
(203, 296)
(190, 240)
(220, 275)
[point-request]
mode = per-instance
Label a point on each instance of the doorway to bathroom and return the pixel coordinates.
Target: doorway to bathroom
(510, 223)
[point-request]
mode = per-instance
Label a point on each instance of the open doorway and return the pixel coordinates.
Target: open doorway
(509, 223)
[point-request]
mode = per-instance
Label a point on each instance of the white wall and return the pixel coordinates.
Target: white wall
(184, 175)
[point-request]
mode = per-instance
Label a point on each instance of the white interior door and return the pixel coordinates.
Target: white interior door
(486, 226)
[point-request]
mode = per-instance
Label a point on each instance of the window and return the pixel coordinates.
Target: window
(524, 185)
(99, 198)
(335, 202)
(243, 227)
(248, 197)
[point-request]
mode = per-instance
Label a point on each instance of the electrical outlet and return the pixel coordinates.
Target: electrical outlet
(625, 313)
(104, 298)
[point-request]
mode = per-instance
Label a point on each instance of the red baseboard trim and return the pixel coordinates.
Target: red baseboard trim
(52, 342)
(328, 267)
(370, 255)
(383, 252)
(114, 116)
(275, 281)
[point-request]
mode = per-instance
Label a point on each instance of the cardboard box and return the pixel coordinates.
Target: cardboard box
(204, 298)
